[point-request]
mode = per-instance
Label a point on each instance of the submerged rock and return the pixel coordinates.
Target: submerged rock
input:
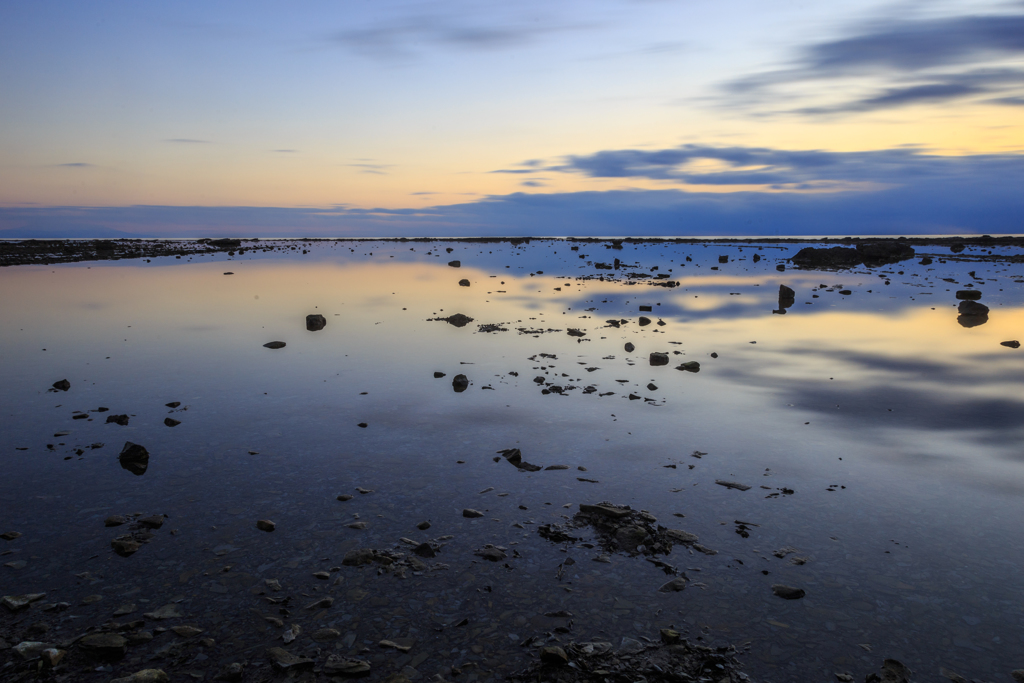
(62, 385)
(275, 345)
(689, 366)
(265, 525)
(134, 458)
(968, 294)
(972, 314)
(788, 592)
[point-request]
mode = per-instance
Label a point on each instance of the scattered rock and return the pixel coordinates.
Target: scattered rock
(316, 322)
(232, 673)
(968, 294)
(554, 656)
(283, 660)
(463, 283)
(1013, 344)
(491, 553)
(145, 676)
(172, 404)
(30, 649)
(972, 314)
(358, 557)
(125, 546)
(171, 422)
(629, 347)
(643, 321)
(788, 592)
(425, 550)
(455, 264)
(343, 666)
(165, 612)
(893, 671)
(10, 535)
(345, 497)
(104, 646)
(62, 385)
(118, 419)
(674, 586)
(265, 525)
(134, 458)
(275, 345)
(732, 485)
(460, 383)
(689, 366)
(659, 358)
(438, 375)
(52, 657)
(423, 526)
(458, 320)
(573, 332)
(152, 522)
(115, 520)
(472, 514)
(187, 631)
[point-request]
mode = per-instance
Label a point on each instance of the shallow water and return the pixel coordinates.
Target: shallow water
(898, 429)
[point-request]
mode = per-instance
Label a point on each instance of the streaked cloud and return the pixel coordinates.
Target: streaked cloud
(77, 164)
(188, 141)
(895, 63)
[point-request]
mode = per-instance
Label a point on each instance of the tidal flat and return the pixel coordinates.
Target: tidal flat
(544, 459)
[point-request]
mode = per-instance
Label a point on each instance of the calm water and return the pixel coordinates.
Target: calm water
(899, 431)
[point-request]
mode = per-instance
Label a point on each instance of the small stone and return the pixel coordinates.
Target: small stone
(689, 366)
(91, 599)
(10, 535)
(152, 522)
(323, 576)
(139, 637)
(357, 525)
(29, 649)
(51, 657)
(291, 634)
(669, 636)
(463, 283)
(471, 513)
(629, 347)
(187, 631)
(556, 467)
(325, 635)
(127, 608)
(674, 586)
(455, 264)
(554, 656)
(425, 550)
(322, 603)
(272, 584)
(275, 345)
(16, 564)
(968, 294)
(423, 526)
(105, 646)
(363, 491)
(118, 419)
(460, 383)
(171, 422)
(358, 557)
(232, 673)
(491, 554)
(144, 676)
(62, 385)
(788, 592)
(1013, 344)
(438, 375)
(125, 547)
(345, 497)
(316, 322)
(165, 612)
(343, 666)
(115, 520)
(134, 458)
(284, 660)
(1018, 675)
(732, 485)
(18, 602)
(659, 358)
(401, 647)
(265, 525)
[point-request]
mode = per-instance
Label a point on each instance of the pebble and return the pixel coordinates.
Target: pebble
(788, 592)
(10, 535)
(144, 676)
(471, 513)
(265, 525)
(275, 345)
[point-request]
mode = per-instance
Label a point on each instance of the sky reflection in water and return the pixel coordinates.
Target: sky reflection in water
(882, 393)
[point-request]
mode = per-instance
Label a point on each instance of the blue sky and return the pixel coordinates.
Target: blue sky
(606, 117)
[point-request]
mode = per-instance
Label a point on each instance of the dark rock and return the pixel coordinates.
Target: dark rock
(125, 546)
(689, 366)
(285, 661)
(646, 309)
(553, 656)
(925, 261)
(968, 294)
(104, 646)
(471, 513)
(438, 375)
(957, 248)
(458, 320)
(881, 253)
(556, 467)
(629, 347)
(134, 458)
(787, 297)
(674, 586)
(153, 522)
(629, 537)
(171, 422)
(316, 322)
(868, 253)
(145, 676)
(62, 385)
(723, 259)
(845, 292)
(463, 283)
(362, 425)
(1013, 344)
(455, 264)
(343, 666)
(345, 497)
(265, 525)
(972, 314)
(788, 592)
(358, 557)
(644, 321)
(732, 484)
(893, 671)
(10, 535)
(19, 602)
(118, 419)
(425, 550)
(460, 383)
(275, 345)
(173, 404)
(659, 358)
(232, 673)
(491, 554)
(573, 332)
(423, 526)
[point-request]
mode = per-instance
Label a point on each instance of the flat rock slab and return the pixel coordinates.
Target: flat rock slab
(732, 485)
(144, 676)
(20, 602)
(788, 592)
(286, 661)
(275, 345)
(107, 646)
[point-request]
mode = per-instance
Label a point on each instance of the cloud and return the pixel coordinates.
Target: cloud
(77, 164)
(911, 61)
(533, 183)
(376, 169)
(778, 169)
(473, 27)
(188, 141)
(286, 151)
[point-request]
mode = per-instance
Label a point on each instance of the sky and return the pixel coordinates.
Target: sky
(606, 117)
